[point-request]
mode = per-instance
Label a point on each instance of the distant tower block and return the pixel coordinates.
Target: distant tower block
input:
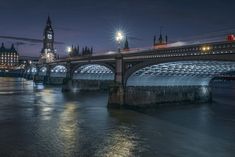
(48, 53)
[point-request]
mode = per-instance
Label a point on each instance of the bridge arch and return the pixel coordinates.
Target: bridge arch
(178, 73)
(42, 71)
(58, 71)
(93, 71)
(32, 70)
(149, 62)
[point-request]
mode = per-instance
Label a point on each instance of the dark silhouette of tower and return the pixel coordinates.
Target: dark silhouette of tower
(161, 43)
(160, 39)
(126, 45)
(154, 39)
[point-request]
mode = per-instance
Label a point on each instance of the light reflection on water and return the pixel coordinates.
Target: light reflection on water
(37, 120)
(121, 142)
(68, 127)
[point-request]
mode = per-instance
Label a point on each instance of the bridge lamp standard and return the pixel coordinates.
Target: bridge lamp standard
(119, 36)
(69, 50)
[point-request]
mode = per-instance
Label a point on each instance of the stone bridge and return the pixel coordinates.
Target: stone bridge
(150, 77)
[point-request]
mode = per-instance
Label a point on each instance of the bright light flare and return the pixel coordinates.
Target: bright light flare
(69, 49)
(206, 48)
(119, 36)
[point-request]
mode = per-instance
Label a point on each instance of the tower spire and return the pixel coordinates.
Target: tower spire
(48, 20)
(126, 45)
(160, 39)
(160, 36)
(154, 40)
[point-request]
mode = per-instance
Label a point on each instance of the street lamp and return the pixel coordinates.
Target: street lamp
(69, 50)
(119, 36)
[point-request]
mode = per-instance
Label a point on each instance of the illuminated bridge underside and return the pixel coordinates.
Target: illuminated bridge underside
(184, 73)
(32, 70)
(42, 71)
(93, 72)
(58, 71)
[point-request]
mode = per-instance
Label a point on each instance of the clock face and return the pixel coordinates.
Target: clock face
(49, 36)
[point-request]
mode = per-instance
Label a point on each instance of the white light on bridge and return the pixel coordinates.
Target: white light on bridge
(33, 70)
(119, 36)
(69, 49)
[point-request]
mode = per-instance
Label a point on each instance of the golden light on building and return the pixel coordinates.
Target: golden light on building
(9, 57)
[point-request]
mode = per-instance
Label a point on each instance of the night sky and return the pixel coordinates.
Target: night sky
(93, 22)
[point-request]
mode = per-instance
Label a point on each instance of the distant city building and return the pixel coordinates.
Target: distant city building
(161, 42)
(48, 52)
(28, 60)
(74, 51)
(9, 57)
(86, 51)
(25, 61)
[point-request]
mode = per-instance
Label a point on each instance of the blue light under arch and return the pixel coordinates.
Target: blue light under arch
(93, 72)
(181, 73)
(58, 71)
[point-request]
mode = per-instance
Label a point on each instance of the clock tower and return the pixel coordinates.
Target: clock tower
(48, 52)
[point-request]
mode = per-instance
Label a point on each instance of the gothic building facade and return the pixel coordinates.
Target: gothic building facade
(48, 52)
(160, 43)
(75, 51)
(9, 57)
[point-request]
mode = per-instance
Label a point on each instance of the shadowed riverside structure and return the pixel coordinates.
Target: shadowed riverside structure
(144, 78)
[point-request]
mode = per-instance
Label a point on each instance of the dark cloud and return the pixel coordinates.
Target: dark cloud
(26, 39)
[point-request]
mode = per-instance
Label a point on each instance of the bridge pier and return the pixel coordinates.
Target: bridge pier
(116, 96)
(67, 84)
(117, 92)
(154, 97)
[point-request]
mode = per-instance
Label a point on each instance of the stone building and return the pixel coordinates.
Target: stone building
(9, 57)
(48, 52)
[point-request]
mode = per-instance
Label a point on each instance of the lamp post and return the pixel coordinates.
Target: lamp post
(119, 36)
(69, 50)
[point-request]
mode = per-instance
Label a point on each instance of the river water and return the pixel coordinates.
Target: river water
(42, 121)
